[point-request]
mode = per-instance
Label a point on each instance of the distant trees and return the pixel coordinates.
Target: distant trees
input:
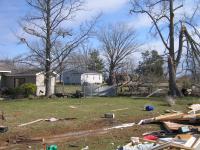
(151, 67)
(50, 41)
(117, 43)
(95, 61)
(165, 20)
(85, 58)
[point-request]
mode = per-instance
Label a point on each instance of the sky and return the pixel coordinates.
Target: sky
(113, 11)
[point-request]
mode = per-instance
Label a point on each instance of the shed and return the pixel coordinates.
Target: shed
(34, 76)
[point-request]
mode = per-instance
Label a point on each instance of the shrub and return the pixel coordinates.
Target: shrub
(27, 89)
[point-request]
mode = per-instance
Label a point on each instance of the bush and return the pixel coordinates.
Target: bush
(27, 89)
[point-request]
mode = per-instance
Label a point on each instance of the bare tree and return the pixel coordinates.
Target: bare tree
(117, 42)
(162, 14)
(50, 41)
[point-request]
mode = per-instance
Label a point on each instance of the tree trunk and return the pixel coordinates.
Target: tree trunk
(48, 52)
(111, 79)
(173, 89)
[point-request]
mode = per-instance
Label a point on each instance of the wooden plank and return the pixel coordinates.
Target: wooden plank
(171, 126)
(184, 137)
(190, 142)
(25, 124)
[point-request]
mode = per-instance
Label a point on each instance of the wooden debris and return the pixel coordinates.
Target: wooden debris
(119, 109)
(171, 126)
(190, 142)
(145, 121)
(184, 137)
(167, 117)
(25, 124)
(173, 117)
(3, 129)
(171, 111)
(194, 108)
(60, 119)
(172, 146)
(50, 120)
(196, 145)
(73, 107)
(3, 116)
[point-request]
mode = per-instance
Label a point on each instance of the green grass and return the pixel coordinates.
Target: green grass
(88, 113)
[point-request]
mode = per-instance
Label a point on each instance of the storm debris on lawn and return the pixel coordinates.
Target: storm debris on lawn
(3, 129)
(181, 132)
(194, 108)
(109, 115)
(48, 120)
(120, 109)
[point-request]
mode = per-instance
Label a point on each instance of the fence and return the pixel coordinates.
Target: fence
(96, 90)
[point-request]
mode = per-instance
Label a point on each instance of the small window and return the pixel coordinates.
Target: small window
(18, 81)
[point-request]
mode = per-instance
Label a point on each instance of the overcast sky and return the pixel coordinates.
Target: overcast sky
(11, 11)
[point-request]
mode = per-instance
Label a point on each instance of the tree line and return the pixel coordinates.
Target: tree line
(54, 41)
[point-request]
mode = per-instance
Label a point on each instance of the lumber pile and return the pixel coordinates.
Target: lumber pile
(181, 132)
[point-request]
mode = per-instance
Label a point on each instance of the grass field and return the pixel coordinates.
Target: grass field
(89, 113)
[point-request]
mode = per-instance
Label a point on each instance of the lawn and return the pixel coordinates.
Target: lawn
(89, 113)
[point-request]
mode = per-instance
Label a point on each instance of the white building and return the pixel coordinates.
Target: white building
(79, 77)
(92, 78)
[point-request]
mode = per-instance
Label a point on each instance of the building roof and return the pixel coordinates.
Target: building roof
(4, 68)
(32, 72)
(79, 71)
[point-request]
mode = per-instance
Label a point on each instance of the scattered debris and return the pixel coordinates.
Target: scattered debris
(148, 108)
(85, 148)
(150, 137)
(25, 124)
(3, 116)
(181, 132)
(119, 109)
(56, 119)
(3, 129)
(49, 120)
(194, 108)
(171, 111)
(126, 125)
(156, 91)
(73, 107)
(183, 136)
(159, 133)
(173, 117)
(170, 101)
(109, 115)
(52, 147)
